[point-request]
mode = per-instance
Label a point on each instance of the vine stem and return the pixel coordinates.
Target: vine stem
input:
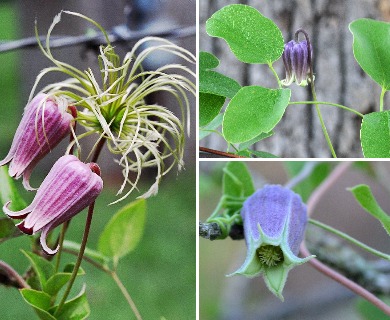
(61, 242)
(326, 185)
(126, 294)
(65, 226)
(350, 239)
(79, 257)
(13, 275)
(275, 74)
(220, 153)
(116, 278)
(381, 99)
(329, 104)
(313, 90)
(318, 265)
(344, 281)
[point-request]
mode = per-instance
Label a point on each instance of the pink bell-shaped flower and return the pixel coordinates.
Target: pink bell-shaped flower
(44, 124)
(70, 186)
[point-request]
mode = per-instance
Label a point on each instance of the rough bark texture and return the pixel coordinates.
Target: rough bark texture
(339, 78)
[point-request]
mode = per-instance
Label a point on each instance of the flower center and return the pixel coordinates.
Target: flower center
(269, 255)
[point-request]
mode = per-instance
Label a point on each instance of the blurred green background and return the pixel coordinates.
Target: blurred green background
(160, 274)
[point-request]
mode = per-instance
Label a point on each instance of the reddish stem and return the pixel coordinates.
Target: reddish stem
(220, 153)
(354, 287)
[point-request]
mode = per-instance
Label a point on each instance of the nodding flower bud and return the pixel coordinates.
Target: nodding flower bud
(274, 221)
(44, 124)
(296, 62)
(69, 187)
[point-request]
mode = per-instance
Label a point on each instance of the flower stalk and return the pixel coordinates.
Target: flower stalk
(79, 258)
(313, 91)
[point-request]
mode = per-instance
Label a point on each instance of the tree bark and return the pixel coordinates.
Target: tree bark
(338, 77)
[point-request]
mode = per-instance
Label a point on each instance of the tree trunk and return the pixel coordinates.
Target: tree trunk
(338, 77)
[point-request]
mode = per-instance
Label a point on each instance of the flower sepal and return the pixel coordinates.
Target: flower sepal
(274, 224)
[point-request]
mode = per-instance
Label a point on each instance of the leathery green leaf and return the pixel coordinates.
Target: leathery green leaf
(254, 110)
(252, 37)
(375, 135)
(371, 47)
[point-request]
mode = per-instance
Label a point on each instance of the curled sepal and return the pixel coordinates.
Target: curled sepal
(44, 124)
(69, 187)
(274, 225)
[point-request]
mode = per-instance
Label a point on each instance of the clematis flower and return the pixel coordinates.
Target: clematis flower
(118, 109)
(274, 225)
(295, 59)
(44, 124)
(70, 186)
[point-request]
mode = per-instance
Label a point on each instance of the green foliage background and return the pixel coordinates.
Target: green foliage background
(160, 274)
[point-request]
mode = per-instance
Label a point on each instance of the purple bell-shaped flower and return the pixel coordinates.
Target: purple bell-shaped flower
(274, 221)
(69, 187)
(44, 124)
(296, 62)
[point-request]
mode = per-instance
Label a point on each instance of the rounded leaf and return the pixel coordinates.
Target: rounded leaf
(254, 110)
(124, 231)
(213, 82)
(209, 107)
(252, 37)
(371, 47)
(375, 135)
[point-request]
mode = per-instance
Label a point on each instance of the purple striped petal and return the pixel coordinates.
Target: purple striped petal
(44, 124)
(69, 187)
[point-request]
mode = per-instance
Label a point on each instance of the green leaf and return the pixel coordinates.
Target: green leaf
(8, 191)
(261, 136)
(43, 268)
(124, 231)
(252, 111)
(262, 154)
(40, 301)
(209, 107)
(252, 37)
(75, 309)
(213, 82)
(212, 126)
(367, 201)
(8, 230)
(307, 186)
(55, 283)
(371, 47)
(375, 135)
(237, 180)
